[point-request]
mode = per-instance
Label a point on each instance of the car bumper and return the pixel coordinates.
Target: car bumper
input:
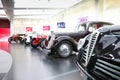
(84, 73)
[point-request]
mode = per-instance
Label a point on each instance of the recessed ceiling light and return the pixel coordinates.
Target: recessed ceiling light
(49, 1)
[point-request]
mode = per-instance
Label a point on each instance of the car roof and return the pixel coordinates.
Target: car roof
(109, 28)
(98, 22)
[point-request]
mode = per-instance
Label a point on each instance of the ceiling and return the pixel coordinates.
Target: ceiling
(2, 12)
(33, 8)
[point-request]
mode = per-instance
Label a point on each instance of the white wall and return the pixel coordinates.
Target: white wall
(104, 10)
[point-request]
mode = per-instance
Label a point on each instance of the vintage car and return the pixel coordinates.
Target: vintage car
(99, 57)
(29, 36)
(36, 41)
(64, 43)
(16, 38)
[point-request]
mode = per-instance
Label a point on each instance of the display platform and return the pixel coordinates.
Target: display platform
(5, 64)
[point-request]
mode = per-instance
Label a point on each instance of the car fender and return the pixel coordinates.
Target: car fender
(65, 38)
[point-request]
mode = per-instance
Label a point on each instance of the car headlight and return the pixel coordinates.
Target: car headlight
(81, 43)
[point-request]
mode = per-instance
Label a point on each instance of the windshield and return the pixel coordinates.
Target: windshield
(80, 27)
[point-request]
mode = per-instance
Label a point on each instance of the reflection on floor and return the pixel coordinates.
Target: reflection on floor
(34, 64)
(4, 45)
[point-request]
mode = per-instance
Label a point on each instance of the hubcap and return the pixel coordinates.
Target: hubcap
(65, 49)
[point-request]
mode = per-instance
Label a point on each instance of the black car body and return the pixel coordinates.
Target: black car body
(99, 58)
(64, 43)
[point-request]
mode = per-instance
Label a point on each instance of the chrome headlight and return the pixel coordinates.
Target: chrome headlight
(81, 43)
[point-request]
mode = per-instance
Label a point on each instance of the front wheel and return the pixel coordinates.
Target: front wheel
(44, 43)
(35, 43)
(64, 49)
(26, 43)
(9, 39)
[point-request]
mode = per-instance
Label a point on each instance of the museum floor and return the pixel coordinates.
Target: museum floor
(35, 64)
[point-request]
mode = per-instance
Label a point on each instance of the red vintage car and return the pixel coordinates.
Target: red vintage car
(37, 41)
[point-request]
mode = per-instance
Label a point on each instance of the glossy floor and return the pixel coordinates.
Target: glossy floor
(5, 63)
(34, 64)
(4, 45)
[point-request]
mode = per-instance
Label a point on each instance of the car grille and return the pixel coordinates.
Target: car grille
(107, 69)
(52, 38)
(84, 52)
(87, 52)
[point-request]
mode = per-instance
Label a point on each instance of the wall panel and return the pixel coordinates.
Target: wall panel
(111, 11)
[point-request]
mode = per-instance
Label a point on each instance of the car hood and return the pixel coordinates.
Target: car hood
(75, 35)
(66, 33)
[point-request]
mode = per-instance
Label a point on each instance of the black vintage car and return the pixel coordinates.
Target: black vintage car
(99, 58)
(64, 43)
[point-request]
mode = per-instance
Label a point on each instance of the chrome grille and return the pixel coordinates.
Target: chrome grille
(52, 38)
(89, 49)
(83, 60)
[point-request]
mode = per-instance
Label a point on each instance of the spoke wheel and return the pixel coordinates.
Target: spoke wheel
(44, 43)
(35, 43)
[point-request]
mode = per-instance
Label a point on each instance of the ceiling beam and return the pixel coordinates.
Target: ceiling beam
(33, 14)
(8, 6)
(37, 8)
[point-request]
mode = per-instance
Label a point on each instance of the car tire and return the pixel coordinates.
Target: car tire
(27, 43)
(16, 40)
(20, 40)
(64, 49)
(35, 43)
(43, 43)
(9, 39)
